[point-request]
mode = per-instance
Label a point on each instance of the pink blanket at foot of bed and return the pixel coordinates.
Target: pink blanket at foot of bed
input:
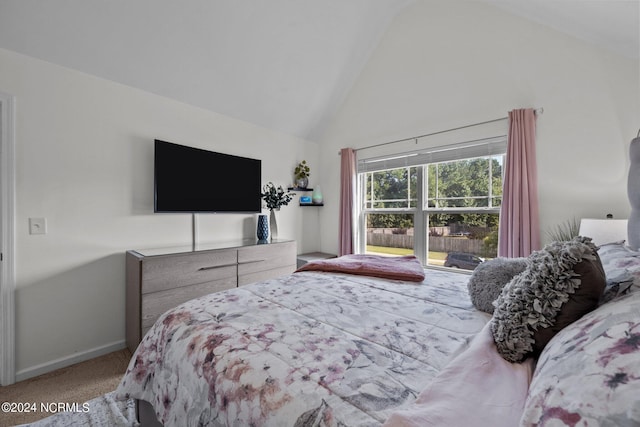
(406, 267)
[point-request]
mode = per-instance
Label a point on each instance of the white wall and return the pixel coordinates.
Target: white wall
(84, 150)
(445, 64)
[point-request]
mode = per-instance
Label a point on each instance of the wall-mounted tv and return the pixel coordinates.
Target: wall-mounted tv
(188, 179)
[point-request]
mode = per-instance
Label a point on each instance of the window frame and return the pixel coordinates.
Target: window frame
(421, 211)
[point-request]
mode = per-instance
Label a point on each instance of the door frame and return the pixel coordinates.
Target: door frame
(7, 239)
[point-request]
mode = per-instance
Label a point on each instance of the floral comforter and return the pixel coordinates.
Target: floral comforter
(307, 349)
(589, 374)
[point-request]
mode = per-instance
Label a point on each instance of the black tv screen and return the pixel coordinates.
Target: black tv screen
(188, 179)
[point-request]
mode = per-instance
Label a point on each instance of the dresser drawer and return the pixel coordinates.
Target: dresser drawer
(266, 257)
(155, 304)
(258, 276)
(167, 272)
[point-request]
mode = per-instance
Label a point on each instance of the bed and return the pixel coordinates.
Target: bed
(336, 348)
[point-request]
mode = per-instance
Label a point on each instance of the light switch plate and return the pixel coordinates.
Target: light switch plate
(37, 226)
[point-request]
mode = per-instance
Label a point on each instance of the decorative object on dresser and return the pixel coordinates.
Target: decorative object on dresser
(302, 174)
(160, 279)
(275, 197)
(263, 228)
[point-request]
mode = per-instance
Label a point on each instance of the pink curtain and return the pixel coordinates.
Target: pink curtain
(519, 232)
(347, 194)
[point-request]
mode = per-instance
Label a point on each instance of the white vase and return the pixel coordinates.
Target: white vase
(273, 225)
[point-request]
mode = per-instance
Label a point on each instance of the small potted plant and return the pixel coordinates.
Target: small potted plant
(302, 174)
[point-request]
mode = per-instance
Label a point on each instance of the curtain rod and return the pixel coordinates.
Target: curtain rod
(537, 111)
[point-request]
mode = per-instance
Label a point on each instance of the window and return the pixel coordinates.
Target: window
(443, 206)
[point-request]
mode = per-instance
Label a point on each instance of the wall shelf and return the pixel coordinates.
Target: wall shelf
(305, 190)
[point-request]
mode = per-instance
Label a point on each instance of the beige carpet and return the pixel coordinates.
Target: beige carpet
(74, 384)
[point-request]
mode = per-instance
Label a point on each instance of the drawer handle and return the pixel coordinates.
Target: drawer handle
(213, 267)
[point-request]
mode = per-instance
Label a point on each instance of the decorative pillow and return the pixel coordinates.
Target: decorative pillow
(488, 279)
(561, 283)
(588, 373)
(622, 269)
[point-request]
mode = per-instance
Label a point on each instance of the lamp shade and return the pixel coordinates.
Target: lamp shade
(604, 231)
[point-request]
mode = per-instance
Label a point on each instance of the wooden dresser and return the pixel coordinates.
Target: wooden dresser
(160, 279)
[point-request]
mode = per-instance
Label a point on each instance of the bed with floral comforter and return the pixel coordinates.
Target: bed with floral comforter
(332, 349)
(307, 349)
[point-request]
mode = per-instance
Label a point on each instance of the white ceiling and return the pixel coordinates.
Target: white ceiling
(282, 64)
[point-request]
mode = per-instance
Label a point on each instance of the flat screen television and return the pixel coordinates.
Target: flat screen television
(188, 179)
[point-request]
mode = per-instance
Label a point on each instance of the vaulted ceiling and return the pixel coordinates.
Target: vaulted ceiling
(282, 64)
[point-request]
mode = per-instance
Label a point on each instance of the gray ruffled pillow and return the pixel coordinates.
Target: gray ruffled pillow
(488, 279)
(561, 283)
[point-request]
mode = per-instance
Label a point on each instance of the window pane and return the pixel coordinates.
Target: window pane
(393, 188)
(496, 180)
(462, 240)
(465, 183)
(390, 234)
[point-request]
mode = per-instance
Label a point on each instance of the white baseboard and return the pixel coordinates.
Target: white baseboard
(63, 362)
